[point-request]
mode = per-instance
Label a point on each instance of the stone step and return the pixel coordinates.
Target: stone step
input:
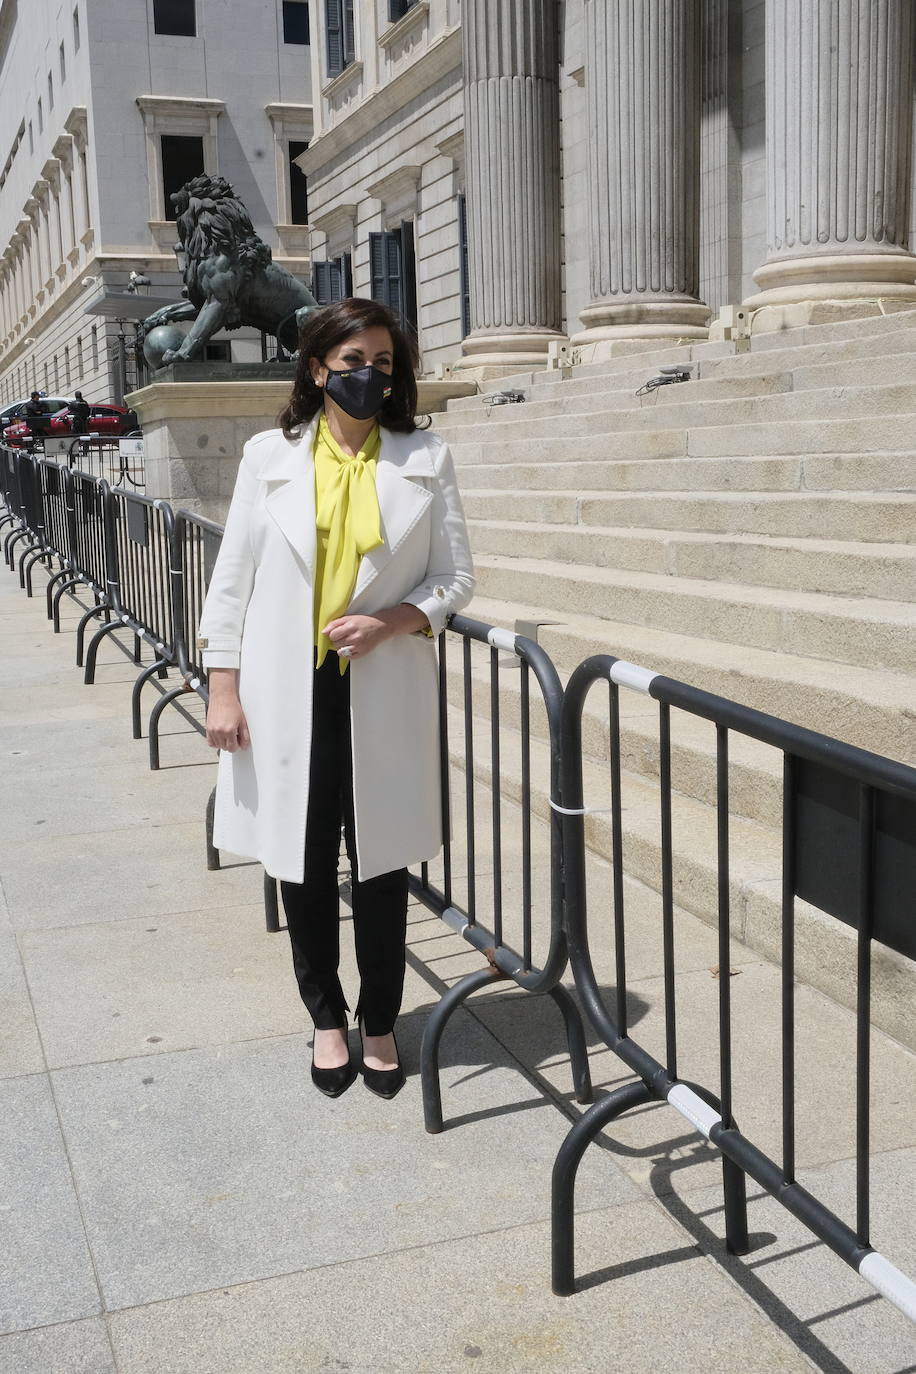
(869, 516)
(618, 391)
(868, 339)
(893, 431)
(886, 571)
(572, 420)
(854, 702)
(778, 351)
(881, 634)
(819, 472)
(825, 948)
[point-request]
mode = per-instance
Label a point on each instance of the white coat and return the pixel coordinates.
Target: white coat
(258, 617)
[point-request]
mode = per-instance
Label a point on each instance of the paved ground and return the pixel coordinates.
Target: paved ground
(175, 1196)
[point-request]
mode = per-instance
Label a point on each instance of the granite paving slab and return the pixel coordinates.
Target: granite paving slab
(46, 1274)
(72, 1348)
(20, 1046)
(219, 1166)
(835, 1317)
(146, 870)
(480, 1302)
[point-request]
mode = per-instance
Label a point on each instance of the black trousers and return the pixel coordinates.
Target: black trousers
(312, 911)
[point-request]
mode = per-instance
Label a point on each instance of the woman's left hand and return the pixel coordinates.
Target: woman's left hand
(358, 633)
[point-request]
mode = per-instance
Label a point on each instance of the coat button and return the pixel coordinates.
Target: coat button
(439, 592)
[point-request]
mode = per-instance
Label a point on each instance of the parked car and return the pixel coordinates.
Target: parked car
(104, 420)
(52, 404)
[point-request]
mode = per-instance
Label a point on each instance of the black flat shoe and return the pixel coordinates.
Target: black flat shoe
(333, 1082)
(384, 1082)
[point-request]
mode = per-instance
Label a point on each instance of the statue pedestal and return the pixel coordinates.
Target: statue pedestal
(194, 430)
(193, 435)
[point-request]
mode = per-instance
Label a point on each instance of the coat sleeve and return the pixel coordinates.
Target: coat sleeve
(220, 631)
(449, 581)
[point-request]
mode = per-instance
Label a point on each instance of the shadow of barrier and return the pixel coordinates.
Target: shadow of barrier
(848, 848)
(848, 840)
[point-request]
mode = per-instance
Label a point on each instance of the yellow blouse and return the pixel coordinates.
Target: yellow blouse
(349, 525)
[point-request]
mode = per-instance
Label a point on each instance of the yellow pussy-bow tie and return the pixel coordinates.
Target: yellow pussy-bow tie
(349, 525)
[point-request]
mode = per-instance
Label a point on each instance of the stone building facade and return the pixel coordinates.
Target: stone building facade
(524, 178)
(104, 106)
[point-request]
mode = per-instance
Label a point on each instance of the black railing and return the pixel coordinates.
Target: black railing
(848, 840)
(504, 960)
(848, 848)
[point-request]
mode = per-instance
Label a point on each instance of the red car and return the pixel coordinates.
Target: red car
(106, 420)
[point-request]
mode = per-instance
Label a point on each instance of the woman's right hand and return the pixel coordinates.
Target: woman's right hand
(227, 727)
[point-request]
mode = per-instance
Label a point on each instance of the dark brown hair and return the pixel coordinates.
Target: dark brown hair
(329, 326)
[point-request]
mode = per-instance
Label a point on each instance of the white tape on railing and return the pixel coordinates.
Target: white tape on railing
(502, 639)
(890, 1283)
(692, 1106)
(631, 675)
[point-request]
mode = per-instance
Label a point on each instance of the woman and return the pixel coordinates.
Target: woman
(344, 552)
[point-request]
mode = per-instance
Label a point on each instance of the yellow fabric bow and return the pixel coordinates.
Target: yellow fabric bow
(349, 525)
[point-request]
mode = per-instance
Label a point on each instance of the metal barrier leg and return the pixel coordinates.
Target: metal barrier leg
(10, 542)
(138, 688)
(271, 904)
(563, 1186)
(156, 712)
(92, 651)
(81, 630)
(27, 562)
(213, 860)
(62, 577)
(734, 1185)
(432, 1035)
(575, 1039)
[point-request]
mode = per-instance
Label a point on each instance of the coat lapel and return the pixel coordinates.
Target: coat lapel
(401, 499)
(289, 472)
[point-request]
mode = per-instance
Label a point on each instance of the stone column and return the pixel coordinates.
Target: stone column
(512, 141)
(642, 87)
(839, 117)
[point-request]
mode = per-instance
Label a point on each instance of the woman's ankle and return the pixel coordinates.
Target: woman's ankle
(330, 1049)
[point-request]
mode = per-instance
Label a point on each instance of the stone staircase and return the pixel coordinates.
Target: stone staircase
(752, 532)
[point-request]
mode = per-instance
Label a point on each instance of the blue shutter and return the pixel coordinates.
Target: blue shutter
(464, 266)
(334, 26)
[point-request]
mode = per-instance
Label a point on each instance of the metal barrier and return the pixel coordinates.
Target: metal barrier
(194, 544)
(139, 534)
(848, 848)
(503, 961)
(848, 844)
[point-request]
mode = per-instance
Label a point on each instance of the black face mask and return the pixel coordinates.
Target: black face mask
(361, 392)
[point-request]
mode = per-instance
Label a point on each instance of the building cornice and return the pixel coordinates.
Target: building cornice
(290, 116)
(412, 19)
(180, 105)
(397, 185)
(442, 56)
(77, 123)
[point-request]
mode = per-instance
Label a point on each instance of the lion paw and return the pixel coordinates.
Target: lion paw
(169, 356)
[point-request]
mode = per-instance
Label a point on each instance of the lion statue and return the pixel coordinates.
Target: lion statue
(230, 278)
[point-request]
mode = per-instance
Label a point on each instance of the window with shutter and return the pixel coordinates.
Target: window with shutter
(463, 265)
(398, 8)
(341, 35)
(393, 272)
(331, 279)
